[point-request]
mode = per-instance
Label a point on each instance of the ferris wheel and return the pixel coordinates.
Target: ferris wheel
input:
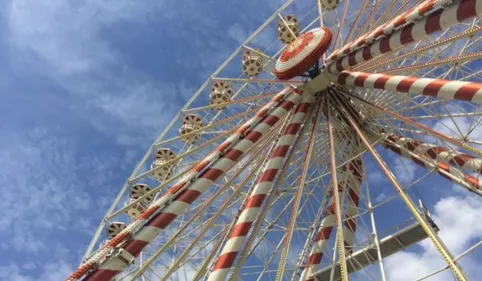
(274, 169)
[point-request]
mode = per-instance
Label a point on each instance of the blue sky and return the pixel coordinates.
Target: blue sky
(86, 87)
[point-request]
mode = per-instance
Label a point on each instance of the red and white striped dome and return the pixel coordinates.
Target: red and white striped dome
(302, 53)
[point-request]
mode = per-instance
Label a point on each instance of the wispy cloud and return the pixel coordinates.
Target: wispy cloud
(79, 115)
(68, 44)
(457, 231)
(86, 88)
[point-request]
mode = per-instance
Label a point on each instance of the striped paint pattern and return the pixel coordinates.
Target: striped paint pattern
(475, 184)
(462, 160)
(407, 17)
(234, 148)
(349, 179)
(353, 196)
(252, 208)
(440, 20)
(445, 89)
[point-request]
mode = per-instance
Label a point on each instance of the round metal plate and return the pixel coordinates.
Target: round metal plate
(302, 53)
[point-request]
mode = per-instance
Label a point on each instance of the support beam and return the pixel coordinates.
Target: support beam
(259, 81)
(453, 174)
(315, 120)
(437, 242)
(421, 127)
(377, 4)
(460, 59)
(348, 177)
(375, 64)
(442, 19)
(341, 24)
(357, 19)
(421, 9)
(441, 154)
(273, 198)
(389, 245)
(323, 236)
(338, 200)
(205, 227)
(251, 210)
(439, 88)
(204, 267)
(356, 171)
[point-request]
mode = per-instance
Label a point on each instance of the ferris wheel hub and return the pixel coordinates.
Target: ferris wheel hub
(302, 53)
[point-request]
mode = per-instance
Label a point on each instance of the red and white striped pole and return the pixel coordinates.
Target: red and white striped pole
(322, 236)
(256, 198)
(186, 191)
(453, 174)
(445, 89)
(462, 160)
(350, 177)
(442, 19)
(353, 196)
(409, 16)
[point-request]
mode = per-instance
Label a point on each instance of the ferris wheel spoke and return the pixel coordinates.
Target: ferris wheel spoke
(423, 52)
(422, 157)
(457, 12)
(445, 89)
(146, 264)
(260, 81)
(338, 200)
(375, 6)
(434, 63)
(340, 25)
(453, 115)
(442, 249)
(421, 9)
(468, 251)
(320, 12)
(252, 209)
(208, 224)
(164, 183)
(348, 177)
(308, 244)
(249, 248)
(298, 195)
(321, 239)
(374, 234)
(425, 129)
(178, 176)
(355, 23)
(203, 268)
(385, 13)
(353, 195)
(270, 226)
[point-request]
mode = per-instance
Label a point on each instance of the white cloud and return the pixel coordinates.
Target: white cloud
(238, 32)
(455, 217)
(48, 272)
(405, 170)
(458, 128)
(66, 42)
(66, 35)
(380, 197)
